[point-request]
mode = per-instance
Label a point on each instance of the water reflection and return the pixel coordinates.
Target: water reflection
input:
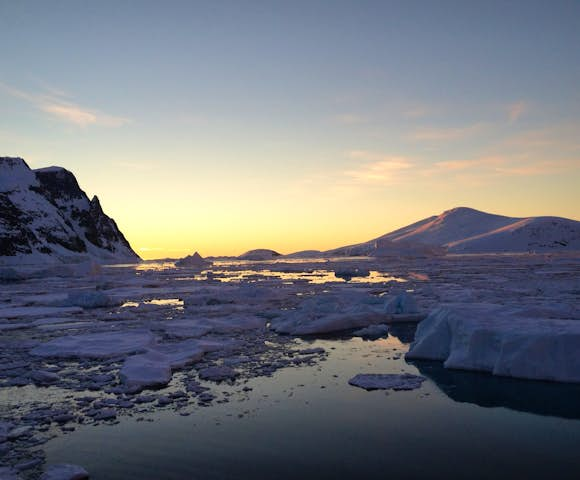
(485, 390)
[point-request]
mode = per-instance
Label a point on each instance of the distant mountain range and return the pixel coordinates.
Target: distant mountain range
(46, 217)
(465, 230)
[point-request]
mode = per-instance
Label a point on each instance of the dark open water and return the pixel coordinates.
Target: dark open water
(458, 425)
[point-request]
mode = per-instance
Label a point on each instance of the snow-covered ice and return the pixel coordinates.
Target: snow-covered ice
(95, 345)
(496, 339)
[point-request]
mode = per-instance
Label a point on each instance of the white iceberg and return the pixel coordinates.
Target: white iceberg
(494, 339)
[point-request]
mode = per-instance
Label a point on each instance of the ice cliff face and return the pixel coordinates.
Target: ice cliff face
(46, 217)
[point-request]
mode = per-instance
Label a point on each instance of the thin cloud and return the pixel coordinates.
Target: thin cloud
(516, 110)
(446, 134)
(378, 168)
(489, 162)
(521, 165)
(66, 111)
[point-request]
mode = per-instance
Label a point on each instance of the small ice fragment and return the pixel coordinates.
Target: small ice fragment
(378, 381)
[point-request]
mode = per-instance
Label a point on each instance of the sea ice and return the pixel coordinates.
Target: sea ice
(95, 345)
(495, 339)
(89, 299)
(372, 331)
(326, 313)
(151, 369)
(378, 381)
(218, 373)
(401, 304)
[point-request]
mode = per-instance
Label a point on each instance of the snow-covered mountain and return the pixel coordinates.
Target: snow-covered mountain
(46, 217)
(465, 230)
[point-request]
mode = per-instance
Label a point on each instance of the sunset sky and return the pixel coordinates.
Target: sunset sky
(221, 126)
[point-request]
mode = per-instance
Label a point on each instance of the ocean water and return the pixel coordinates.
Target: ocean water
(309, 423)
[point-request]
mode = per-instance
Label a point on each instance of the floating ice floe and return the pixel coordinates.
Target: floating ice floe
(494, 339)
(154, 368)
(372, 331)
(378, 381)
(89, 299)
(151, 369)
(218, 373)
(95, 345)
(326, 313)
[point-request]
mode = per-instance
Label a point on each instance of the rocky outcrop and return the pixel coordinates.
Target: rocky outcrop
(46, 216)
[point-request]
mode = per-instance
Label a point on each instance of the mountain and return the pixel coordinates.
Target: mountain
(46, 217)
(465, 230)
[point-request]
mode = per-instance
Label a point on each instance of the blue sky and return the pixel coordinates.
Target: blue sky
(221, 126)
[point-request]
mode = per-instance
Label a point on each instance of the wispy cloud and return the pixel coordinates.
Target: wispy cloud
(378, 167)
(489, 162)
(446, 134)
(516, 110)
(507, 165)
(55, 105)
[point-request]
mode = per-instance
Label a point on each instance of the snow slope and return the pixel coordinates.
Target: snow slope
(45, 217)
(465, 230)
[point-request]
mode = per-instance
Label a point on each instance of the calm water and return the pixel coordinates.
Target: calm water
(308, 423)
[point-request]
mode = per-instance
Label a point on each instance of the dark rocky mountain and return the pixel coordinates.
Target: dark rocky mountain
(45, 216)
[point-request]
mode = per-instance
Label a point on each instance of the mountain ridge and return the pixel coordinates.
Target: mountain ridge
(45, 216)
(467, 230)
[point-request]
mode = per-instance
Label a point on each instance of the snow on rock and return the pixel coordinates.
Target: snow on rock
(465, 230)
(330, 312)
(95, 345)
(377, 381)
(65, 471)
(372, 331)
(193, 261)
(494, 339)
(259, 254)
(45, 217)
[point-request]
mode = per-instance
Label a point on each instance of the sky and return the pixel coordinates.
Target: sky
(223, 126)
